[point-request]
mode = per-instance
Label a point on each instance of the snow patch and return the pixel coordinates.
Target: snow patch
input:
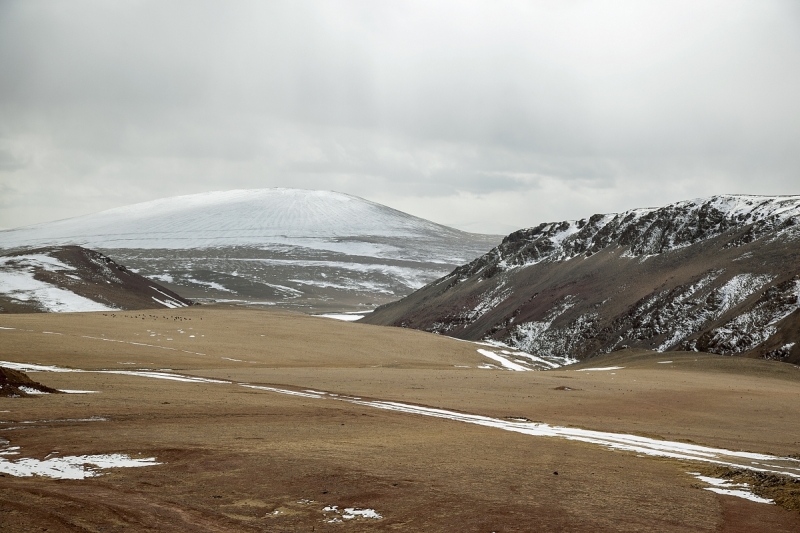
(72, 467)
(17, 282)
(503, 361)
(170, 299)
(350, 513)
(342, 316)
(488, 301)
(210, 284)
(31, 390)
(166, 278)
(728, 488)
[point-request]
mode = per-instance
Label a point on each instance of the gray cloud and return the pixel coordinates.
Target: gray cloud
(484, 115)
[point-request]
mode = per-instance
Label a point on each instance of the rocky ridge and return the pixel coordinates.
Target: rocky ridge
(719, 275)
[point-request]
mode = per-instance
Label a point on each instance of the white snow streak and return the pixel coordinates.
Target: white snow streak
(342, 316)
(757, 462)
(25, 367)
(728, 488)
(502, 360)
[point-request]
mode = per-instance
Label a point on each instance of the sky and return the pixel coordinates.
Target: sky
(486, 116)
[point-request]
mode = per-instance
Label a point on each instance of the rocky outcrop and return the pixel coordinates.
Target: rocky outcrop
(15, 384)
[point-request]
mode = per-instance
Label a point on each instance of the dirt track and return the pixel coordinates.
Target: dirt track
(237, 459)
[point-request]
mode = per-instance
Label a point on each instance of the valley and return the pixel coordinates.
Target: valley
(256, 423)
(574, 373)
(437, 267)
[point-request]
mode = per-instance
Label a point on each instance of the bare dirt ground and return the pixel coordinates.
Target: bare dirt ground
(242, 459)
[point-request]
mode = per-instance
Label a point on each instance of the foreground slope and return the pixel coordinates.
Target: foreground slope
(74, 279)
(718, 275)
(297, 248)
(279, 422)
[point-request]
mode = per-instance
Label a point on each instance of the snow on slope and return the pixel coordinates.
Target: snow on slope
(718, 274)
(650, 231)
(18, 283)
(313, 219)
(73, 279)
(317, 251)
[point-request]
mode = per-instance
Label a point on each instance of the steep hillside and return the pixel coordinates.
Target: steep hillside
(719, 275)
(312, 250)
(74, 279)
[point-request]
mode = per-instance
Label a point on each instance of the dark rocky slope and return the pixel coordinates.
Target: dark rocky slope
(73, 279)
(15, 384)
(718, 275)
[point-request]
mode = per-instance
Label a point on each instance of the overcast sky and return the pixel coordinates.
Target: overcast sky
(488, 116)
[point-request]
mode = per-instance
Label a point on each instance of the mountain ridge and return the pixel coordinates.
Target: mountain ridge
(565, 240)
(720, 274)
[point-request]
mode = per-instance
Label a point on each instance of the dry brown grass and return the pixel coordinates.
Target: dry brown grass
(233, 456)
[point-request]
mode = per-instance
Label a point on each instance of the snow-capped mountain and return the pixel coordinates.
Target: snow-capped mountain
(720, 274)
(311, 250)
(314, 219)
(73, 279)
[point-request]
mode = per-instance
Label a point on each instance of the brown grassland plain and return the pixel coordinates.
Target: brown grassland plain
(239, 459)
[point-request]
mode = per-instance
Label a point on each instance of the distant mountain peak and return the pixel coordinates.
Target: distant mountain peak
(302, 249)
(242, 217)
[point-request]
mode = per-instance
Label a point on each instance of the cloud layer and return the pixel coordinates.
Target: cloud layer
(484, 115)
